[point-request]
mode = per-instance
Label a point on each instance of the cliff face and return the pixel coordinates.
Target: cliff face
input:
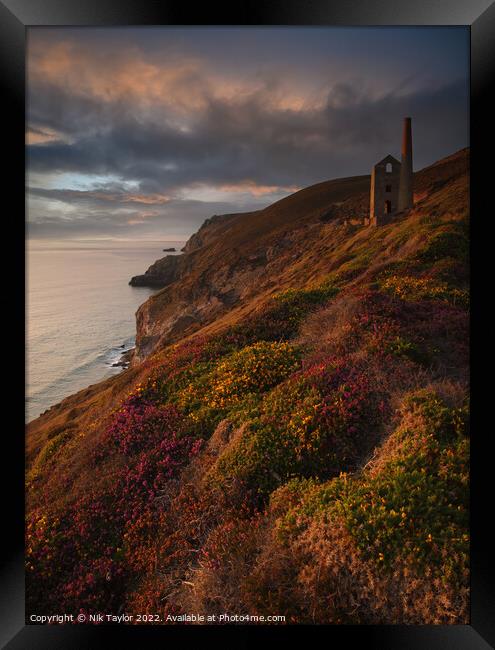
(163, 272)
(170, 268)
(211, 229)
(304, 446)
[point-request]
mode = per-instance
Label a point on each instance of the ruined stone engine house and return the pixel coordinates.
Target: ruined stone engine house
(391, 183)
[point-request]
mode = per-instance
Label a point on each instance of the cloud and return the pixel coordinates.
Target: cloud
(98, 196)
(172, 127)
(247, 139)
(178, 220)
(42, 135)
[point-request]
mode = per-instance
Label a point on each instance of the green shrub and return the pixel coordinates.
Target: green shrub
(401, 347)
(414, 505)
(452, 243)
(47, 453)
(408, 287)
(280, 318)
(315, 424)
(237, 379)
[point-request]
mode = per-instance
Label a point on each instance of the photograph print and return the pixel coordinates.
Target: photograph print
(247, 316)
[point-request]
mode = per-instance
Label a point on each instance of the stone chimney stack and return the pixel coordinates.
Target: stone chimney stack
(406, 180)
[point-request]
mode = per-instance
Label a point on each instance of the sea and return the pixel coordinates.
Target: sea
(80, 312)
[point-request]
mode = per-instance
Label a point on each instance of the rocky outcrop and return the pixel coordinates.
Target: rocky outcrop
(170, 268)
(159, 274)
(207, 288)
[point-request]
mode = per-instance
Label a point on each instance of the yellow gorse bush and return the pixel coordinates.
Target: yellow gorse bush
(253, 369)
(408, 287)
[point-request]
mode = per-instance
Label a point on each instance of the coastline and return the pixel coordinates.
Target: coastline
(81, 288)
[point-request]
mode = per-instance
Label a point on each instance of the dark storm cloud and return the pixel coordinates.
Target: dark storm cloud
(161, 132)
(248, 141)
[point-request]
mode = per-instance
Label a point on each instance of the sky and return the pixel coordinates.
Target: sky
(143, 133)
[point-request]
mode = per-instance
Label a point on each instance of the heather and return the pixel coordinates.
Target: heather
(81, 554)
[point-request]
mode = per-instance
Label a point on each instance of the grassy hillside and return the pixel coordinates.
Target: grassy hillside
(300, 449)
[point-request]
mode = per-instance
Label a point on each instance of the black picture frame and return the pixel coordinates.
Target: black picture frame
(15, 17)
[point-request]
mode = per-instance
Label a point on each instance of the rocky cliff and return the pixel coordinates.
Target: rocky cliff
(170, 268)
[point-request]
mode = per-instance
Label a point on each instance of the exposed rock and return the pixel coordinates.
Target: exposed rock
(125, 359)
(159, 274)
